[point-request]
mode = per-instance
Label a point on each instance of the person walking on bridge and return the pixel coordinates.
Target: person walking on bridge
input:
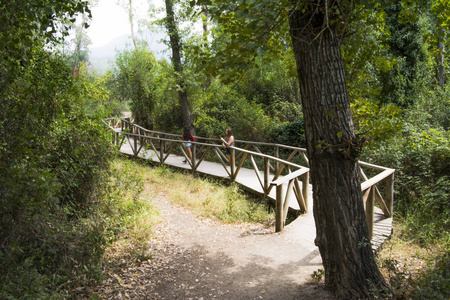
(187, 136)
(227, 142)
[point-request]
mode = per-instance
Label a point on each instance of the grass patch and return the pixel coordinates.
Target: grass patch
(415, 271)
(131, 216)
(204, 196)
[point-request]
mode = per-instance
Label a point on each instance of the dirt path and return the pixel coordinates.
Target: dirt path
(197, 258)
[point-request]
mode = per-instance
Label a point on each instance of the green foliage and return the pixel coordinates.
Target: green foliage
(98, 100)
(375, 122)
(246, 30)
(365, 54)
(127, 214)
(292, 134)
(272, 85)
(134, 80)
(26, 24)
(239, 208)
(52, 158)
(167, 116)
(318, 276)
(431, 281)
(435, 108)
(222, 108)
(412, 71)
(421, 156)
(52, 162)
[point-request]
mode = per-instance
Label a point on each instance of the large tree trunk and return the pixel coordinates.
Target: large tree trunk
(333, 148)
(178, 67)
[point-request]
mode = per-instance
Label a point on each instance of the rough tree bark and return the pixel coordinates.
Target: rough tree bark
(333, 149)
(177, 65)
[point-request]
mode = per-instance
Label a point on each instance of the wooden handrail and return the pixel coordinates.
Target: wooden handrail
(290, 177)
(365, 164)
(374, 180)
(368, 186)
(220, 146)
(218, 140)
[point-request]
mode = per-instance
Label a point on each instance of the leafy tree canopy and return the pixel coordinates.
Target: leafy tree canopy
(22, 23)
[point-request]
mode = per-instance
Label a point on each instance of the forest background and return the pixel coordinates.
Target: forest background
(60, 188)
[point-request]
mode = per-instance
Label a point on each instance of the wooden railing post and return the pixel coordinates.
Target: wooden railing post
(279, 208)
(232, 164)
(277, 155)
(305, 189)
(370, 210)
(266, 176)
(390, 193)
(194, 157)
(161, 151)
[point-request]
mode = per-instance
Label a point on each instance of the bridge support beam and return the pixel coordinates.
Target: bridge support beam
(279, 222)
(370, 209)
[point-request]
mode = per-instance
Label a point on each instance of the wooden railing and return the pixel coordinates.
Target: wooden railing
(372, 195)
(278, 172)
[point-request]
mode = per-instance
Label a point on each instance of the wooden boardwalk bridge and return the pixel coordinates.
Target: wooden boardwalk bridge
(281, 177)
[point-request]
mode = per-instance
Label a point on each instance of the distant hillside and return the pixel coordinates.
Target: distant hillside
(101, 58)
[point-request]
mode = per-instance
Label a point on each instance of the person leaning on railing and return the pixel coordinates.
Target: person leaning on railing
(228, 141)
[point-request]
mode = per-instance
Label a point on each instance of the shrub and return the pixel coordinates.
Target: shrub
(223, 109)
(54, 162)
(421, 157)
(292, 134)
(133, 80)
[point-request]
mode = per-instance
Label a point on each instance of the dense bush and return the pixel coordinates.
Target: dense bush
(273, 85)
(53, 168)
(407, 44)
(167, 112)
(133, 81)
(292, 134)
(421, 156)
(97, 97)
(223, 109)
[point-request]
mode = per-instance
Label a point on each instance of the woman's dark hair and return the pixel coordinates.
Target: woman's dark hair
(228, 132)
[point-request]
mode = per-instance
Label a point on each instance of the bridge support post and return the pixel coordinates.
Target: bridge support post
(279, 223)
(194, 157)
(277, 155)
(266, 176)
(233, 164)
(161, 151)
(305, 190)
(390, 193)
(370, 210)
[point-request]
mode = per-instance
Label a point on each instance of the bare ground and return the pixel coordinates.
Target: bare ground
(198, 258)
